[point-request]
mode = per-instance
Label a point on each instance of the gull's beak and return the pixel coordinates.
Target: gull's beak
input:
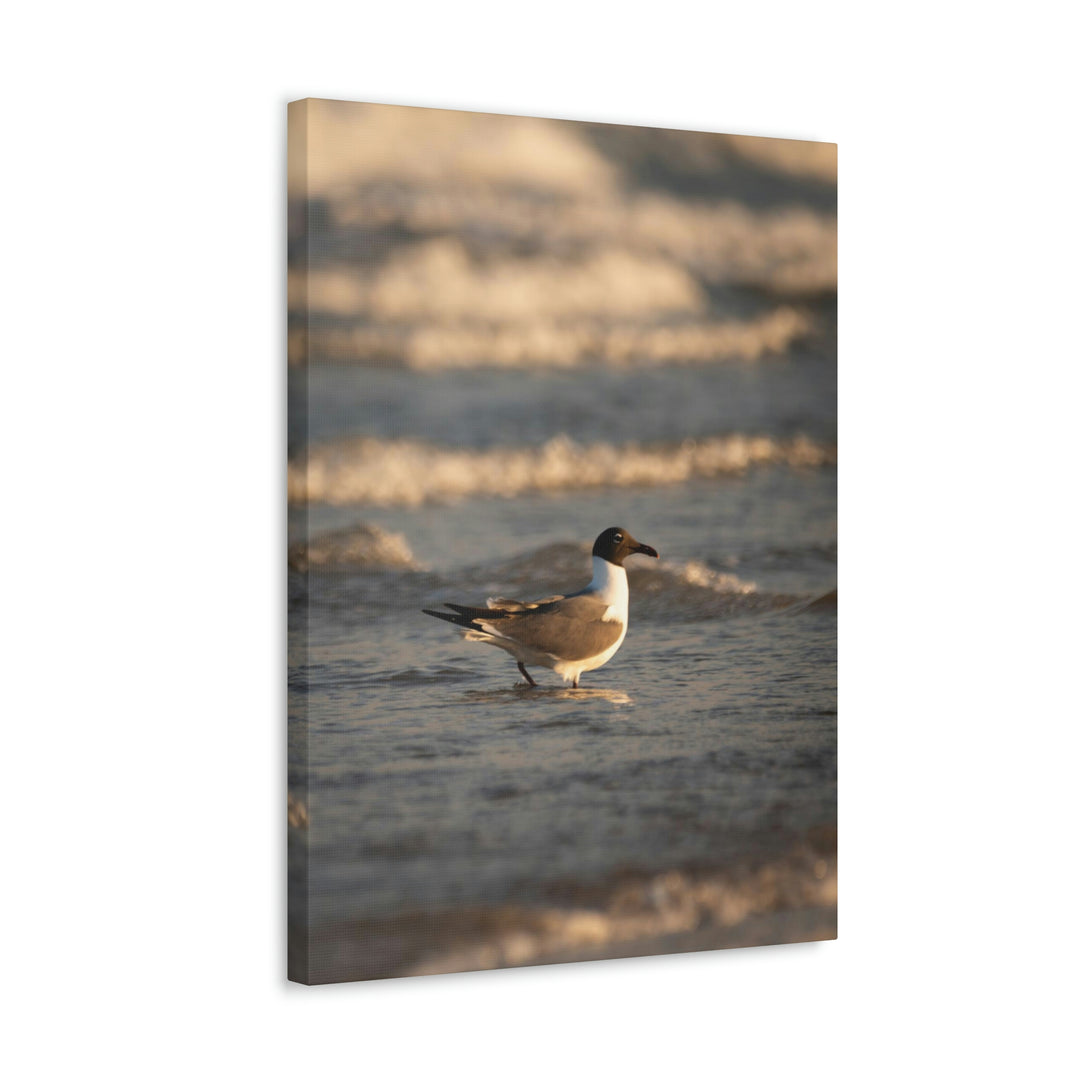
(644, 549)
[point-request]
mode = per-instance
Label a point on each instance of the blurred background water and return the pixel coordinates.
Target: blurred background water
(507, 334)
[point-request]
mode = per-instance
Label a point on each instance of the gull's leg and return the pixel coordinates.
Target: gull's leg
(528, 678)
(575, 682)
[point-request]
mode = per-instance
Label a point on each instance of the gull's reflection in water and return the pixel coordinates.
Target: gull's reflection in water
(522, 692)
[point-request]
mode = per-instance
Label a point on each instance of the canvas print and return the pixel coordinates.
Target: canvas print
(562, 463)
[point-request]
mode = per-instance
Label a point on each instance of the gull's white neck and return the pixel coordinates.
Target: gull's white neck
(609, 584)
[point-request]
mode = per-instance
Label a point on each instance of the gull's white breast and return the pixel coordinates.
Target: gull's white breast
(609, 584)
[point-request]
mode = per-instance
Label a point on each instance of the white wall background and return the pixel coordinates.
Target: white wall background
(143, 207)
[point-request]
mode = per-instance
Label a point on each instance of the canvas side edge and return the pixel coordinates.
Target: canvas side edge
(297, 338)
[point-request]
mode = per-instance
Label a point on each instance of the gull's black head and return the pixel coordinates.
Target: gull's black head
(616, 544)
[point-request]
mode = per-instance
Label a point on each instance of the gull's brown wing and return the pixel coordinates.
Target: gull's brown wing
(571, 628)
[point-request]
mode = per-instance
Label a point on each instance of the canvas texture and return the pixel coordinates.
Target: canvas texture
(562, 474)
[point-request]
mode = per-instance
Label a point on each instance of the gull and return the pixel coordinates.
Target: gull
(569, 634)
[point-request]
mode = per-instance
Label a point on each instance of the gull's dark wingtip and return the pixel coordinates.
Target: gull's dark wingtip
(440, 614)
(453, 618)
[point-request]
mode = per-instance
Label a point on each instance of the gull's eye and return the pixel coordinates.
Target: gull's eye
(618, 538)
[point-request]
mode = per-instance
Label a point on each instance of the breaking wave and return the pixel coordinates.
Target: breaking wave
(465, 239)
(650, 909)
(632, 914)
(553, 565)
(551, 343)
(433, 307)
(689, 587)
(360, 545)
(437, 280)
(698, 574)
(696, 591)
(790, 249)
(409, 472)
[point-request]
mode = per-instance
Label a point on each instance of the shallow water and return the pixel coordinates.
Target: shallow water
(438, 784)
(436, 781)
(650, 405)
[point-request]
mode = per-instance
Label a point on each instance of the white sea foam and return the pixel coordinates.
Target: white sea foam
(438, 280)
(409, 472)
(556, 344)
(784, 249)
